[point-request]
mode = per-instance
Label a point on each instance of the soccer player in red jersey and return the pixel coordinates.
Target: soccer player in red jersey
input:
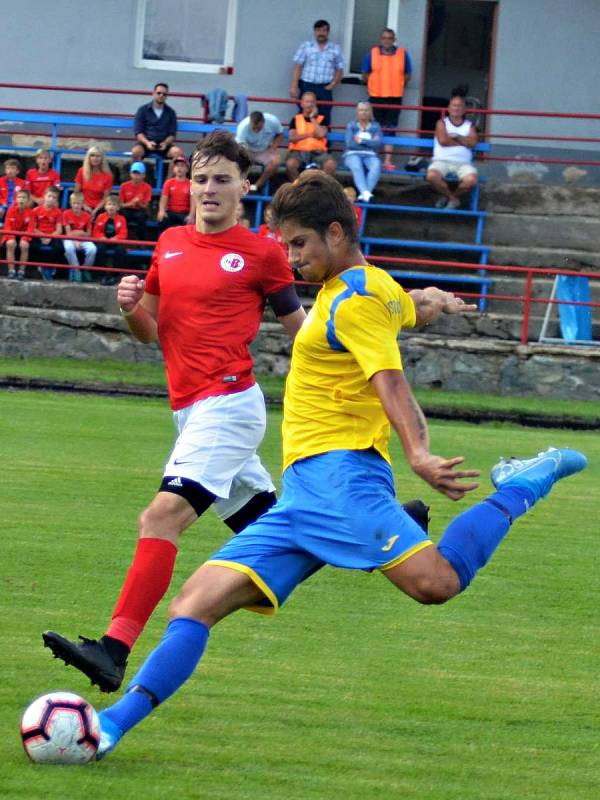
(203, 301)
(16, 223)
(41, 177)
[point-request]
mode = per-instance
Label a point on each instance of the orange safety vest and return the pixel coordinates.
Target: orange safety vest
(304, 125)
(386, 78)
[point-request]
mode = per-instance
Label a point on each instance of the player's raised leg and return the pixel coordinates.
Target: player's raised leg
(435, 575)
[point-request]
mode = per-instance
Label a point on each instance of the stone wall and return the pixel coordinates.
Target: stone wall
(462, 354)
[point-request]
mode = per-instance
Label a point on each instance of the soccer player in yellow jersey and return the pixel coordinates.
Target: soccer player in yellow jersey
(345, 388)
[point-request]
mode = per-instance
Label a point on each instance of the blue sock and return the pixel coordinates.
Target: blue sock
(471, 539)
(167, 667)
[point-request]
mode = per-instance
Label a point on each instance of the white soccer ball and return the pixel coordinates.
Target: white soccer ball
(60, 728)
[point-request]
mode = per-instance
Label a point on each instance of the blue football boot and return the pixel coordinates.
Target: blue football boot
(110, 736)
(538, 474)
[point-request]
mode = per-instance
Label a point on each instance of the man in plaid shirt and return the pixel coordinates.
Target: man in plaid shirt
(318, 68)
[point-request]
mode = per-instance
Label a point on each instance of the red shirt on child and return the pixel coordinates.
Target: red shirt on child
(45, 220)
(40, 181)
(77, 222)
(142, 192)
(16, 222)
(19, 183)
(178, 195)
(120, 224)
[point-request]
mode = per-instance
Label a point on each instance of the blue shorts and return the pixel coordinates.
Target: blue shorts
(337, 508)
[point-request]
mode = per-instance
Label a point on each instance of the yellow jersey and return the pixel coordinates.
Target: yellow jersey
(350, 334)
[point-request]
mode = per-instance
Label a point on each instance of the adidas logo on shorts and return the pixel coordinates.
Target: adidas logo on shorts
(175, 482)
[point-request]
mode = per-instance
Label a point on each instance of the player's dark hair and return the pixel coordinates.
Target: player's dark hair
(388, 30)
(222, 144)
(321, 23)
(256, 117)
(314, 201)
(161, 83)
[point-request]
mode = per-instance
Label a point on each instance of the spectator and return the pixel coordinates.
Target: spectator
(308, 139)
(111, 225)
(77, 223)
(240, 216)
(318, 67)
(268, 229)
(363, 141)
(455, 138)
(386, 70)
(9, 185)
(135, 196)
(350, 193)
(41, 177)
(47, 219)
(155, 126)
(262, 134)
(94, 179)
(174, 207)
(16, 223)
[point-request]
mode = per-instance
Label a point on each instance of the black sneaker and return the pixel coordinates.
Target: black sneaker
(90, 657)
(419, 512)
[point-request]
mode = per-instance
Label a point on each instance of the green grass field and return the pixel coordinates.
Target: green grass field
(352, 691)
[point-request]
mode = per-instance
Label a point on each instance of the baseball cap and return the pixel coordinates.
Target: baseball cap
(137, 166)
(180, 160)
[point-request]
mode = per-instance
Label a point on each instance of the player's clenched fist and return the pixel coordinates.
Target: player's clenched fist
(129, 292)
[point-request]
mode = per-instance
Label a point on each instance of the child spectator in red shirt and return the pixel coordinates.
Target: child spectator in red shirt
(174, 204)
(9, 185)
(351, 194)
(111, 225)
(41, 177)
(47, 218)
(16, 222)
(135, 196)
(268, 228)
(77, 223)
(94, 179)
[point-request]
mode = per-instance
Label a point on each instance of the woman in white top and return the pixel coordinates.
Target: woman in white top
(455, 138)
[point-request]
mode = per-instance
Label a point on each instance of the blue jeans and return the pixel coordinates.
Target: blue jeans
(365, 169)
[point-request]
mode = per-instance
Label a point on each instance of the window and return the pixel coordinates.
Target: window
(365, 21)
(185, 35)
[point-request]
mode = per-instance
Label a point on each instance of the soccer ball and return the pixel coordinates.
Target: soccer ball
(60, 728)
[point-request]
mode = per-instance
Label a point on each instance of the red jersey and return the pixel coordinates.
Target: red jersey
(178, 195)
(45, 220)
(264, 230)
(120, 226)
(16, 222)
(77, 222)
(130, 191)
(40, 181)
(6, 198)
(359, 214)
(94, 189)
(212, 290)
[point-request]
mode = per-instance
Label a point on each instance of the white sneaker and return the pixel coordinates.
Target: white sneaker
(368, 196)
(454, 203)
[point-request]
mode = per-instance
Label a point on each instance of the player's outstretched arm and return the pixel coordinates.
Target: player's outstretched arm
(408, 420)
(139, 308)
(431, 303)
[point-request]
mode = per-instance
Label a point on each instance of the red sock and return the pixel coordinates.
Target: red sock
(147, 580)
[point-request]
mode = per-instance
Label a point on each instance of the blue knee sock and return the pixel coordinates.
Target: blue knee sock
(471, 539)
(167, 667)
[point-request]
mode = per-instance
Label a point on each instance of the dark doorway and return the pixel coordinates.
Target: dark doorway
(459, 52)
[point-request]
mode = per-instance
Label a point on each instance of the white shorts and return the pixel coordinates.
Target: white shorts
(216, 447)
(446, 168)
